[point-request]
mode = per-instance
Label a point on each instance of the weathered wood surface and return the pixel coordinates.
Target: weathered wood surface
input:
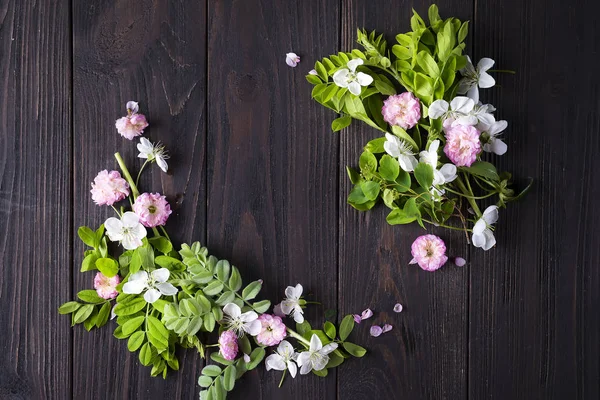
(257, 175)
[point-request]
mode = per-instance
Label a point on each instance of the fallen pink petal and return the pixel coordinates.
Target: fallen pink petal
(292, 59)
(460, 262)
(376, 330)
(398, 308)
(366, 314)
(387, 328)
(357, 318)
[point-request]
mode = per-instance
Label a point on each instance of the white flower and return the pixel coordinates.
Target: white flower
(447, 173)
(460, 109)
(132, 107)
(482, 231)
(401, 150)
(483, 113)
(474, 79)
(236, 321)
(283, 359)
(155, 284)
(348, 77)
(126, 230)
(153, 152)
(316, 357)
(292, 59)
(291, 305)
(489, 135)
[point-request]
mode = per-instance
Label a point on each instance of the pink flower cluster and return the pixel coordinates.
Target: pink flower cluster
(106, 287)
(462, 143)
(152, 209)
(429, 251)
(133, 124)
(273, 330)
(228, 345)
(403, 110)
(109, 188)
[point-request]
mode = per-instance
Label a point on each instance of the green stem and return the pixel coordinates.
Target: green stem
(162, 228)
(467, 196)
(469, 192)
(117, 211)
(137, 180)
(297, 336)
(445, 226)
(282, 376)
(156, 233)
(134, 189)
(506, 71)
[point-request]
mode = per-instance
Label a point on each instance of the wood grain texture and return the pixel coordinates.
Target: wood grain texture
(153, 52)
(35, 199)
(534, 327)
(425, 355)
(272, 200)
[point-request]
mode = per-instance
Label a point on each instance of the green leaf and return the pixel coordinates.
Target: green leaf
(244, 344)
(170, 263)
(162, 244)
(353, 175)
(303, 327)
(424, 175)
(132, 325)
(389, 168)
(370, 189)
(321, 70)
(483, 169)
(107, 266)
(205, 381)
(146, 254)
(427, 63)
(90, 296)
(131, 307)
(346, 327)
(261, 306)
(340, 123)
(315, 80)
(334, 360)
(209, 322)
(145, 355)
(446, 40)
(235, 280)
(398, 217)
(252, 290)
(433, 14)
(229, 378)
(157, 333)
(136, 340)
(384, 87)
(223, 269)
(367, 163)
(423, 86)
(211, 370)
(330, 330)
(69, 307)
(402, 52)
(103, 315)
(195, 325)
(375, 146)
(354, 349)
(213, 288)
(216, 357)
(322, 373)
(403, 135)
(463, 31)
(89, 262)
(103, 248)
(87, 236)
(256, 357)
(83, 313)
(403, 181)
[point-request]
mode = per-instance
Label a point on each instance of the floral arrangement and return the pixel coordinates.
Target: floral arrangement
(423, 96)
(162, 298)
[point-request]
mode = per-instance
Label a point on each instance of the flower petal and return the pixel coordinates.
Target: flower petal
(438, 108)
(375, 330)
(353, 64)
(233, 310)
(275, 361)
(132, 106)
(285, 347)
(151, 295)
(448, 171)
(162, 164)
(497, 127)
(248, 316)
(114, 229)
(130, 219)
(464, 85)
(298, 315)
(167, 289)
(293, 368)
(480, 226)
(398, 308)
(328, 348)
(484, 64)
(462, 104)
(160, 275)
(490, 215)
(315, 343)
(354, 88)
(468, 68)
(364, 79)
(253, 328)
(366, 314)
(497, 146)
(306, 368)
(320, 363)
(386, 328)
(340, 77)
(478, 239)
(460, 262)
(474, 93)
(134, 287)
(490, 240)
(407, 163)
(486, 81)
(131, 242)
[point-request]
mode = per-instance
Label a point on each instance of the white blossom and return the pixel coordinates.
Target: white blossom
(292, 59)
(316, 357)
(154, 285)
(153, 152)
(284, 358)
(349, 78)
(400, 150)
(482, 231)
(126, 230)
(291, 305)
(489, 137)
(473, 79)
(240, 322)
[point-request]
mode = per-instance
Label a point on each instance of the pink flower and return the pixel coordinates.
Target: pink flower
(462, 143)
(228, 345)
(292, 59)
(133, 124)
(429, 251)
(403, 110)
(273, 330)
(109, 188)
(106, 287)
(152, 209)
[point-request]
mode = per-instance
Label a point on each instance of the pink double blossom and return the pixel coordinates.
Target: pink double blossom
(228, 345)
(462, 143)
(152, 209)
(273, 330)
(429, 251)
(109, 188)
(106, 287)
(403, 110)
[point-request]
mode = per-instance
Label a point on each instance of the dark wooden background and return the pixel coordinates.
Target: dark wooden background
(257, 175)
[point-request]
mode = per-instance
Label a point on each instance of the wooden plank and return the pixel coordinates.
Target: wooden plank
(425, 355)
(273, 161)
(153, 52)
(534, 325)
(35, 199)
